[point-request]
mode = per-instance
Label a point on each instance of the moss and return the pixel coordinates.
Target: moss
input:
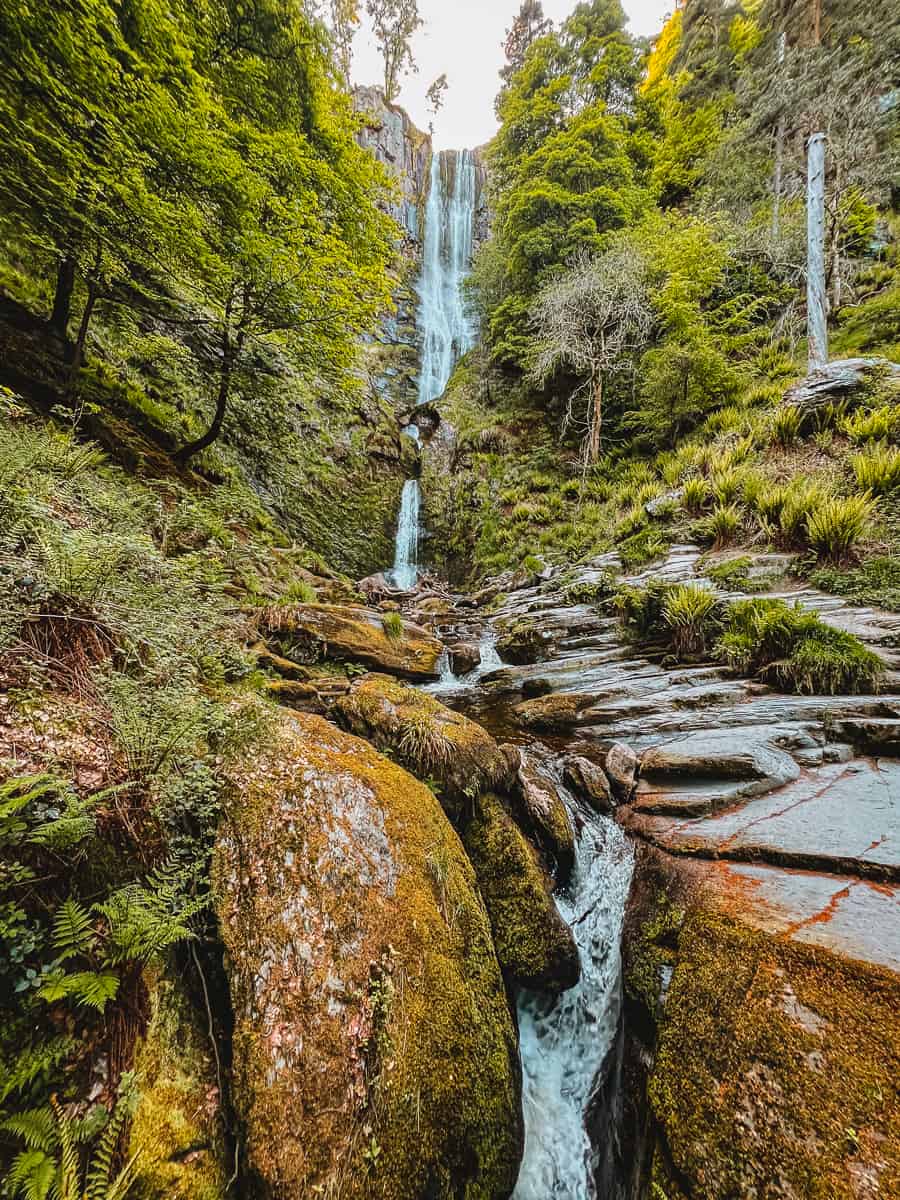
(374, 1049)
(177, 1128)
(777, 1068)
(534, 945)
(651, 952)
(431, 740)
(876, 581)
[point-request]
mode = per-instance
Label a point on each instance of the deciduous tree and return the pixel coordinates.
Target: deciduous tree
(395, 22)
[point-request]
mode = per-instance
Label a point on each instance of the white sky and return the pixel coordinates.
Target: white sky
(465, 39)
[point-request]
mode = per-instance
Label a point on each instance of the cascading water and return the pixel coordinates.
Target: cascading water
(565, 1043)
(444, 326)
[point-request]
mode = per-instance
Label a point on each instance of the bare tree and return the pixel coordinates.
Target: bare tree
(529, 24)
(395, 22)
(344, 24)
(437, 94)
(593, 321)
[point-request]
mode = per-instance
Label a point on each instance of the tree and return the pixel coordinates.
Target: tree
(395, 22)
(344, 26)
(593, 321)
(528, 26)
(437, 94)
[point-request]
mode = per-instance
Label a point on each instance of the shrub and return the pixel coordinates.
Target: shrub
(877, 469)
(836, 525)
(878, 425)
(691, 613)
(786, 425)
(695, 495)
(392, 624)
(722, 525)
(727, 486)
(796, 650)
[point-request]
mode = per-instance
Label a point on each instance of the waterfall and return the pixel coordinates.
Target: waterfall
(444, 326)
(565, 1043)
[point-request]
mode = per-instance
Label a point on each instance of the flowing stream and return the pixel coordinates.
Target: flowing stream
(567, 1044)
(445, 329)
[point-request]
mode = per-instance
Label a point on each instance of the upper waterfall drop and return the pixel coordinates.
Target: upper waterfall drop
(445, 329)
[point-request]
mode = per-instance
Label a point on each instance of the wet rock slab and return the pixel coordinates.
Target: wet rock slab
(853, 917)
(843, 817)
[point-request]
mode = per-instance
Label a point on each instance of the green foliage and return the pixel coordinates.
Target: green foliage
(783, 645)
(786, 425)
(795, 650)
(695, 494)
(836, 525)
(876, 425)
(875, 581)
(392, 624)
(722, 525)
(689, 611)
(877, 469)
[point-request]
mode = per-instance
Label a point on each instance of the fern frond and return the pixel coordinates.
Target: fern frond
(73, 933)
(31, 1175)
(69, 1184)
(30, 1064)
(92, 988)
(36, 1128)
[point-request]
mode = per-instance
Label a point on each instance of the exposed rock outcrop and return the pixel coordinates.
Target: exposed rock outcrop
(837, 381)
(589, 781)
(542, 813)
(373, 1045)
(311, 632)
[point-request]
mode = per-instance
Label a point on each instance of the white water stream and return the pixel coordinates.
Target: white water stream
(444, 326)
(565, 1043)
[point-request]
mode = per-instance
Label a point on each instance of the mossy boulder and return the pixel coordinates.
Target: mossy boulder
(534, 944)
(177, 1128)
(430, 739)
(311, 632)
(558, 713)
(540, 811)
(374, 1049)
(524, 642)
(776, 1070)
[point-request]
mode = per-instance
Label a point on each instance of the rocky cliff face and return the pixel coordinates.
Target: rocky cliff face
(404, 151)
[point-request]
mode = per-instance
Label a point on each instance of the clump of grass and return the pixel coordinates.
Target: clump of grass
(876, 425)
(786, 425)
(690, 611)
(799, 502)
(424, 743)
(727, 486)
(730, 419)
(531, 512)
(300, 592)
(769, 639)
(836, 525)
(642, 547)
(571, 489)
(392, 624)
(722, 525)
(797, 651)
(695, 495)
(877, 469)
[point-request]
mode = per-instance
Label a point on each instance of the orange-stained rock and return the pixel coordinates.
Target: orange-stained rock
(373, 1043)
(350, 634)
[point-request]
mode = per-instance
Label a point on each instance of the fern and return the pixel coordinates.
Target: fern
(94, 989)
(145, 921)
(32, 1175)
(36, 1127)
(31, 1064)
(73, 933)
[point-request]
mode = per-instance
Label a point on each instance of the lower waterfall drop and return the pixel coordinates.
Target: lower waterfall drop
(565, 1042)
(406, 556)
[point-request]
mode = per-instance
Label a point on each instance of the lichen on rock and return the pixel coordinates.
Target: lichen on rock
(373, 1043)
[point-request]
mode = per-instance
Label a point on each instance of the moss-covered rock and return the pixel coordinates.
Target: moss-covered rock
(177, 1128)
(540, 811)
(523, 642)
(314, 631)
(776, 1070)
(430, 739)
(534, 944)
(558, 713)
(374, 1050)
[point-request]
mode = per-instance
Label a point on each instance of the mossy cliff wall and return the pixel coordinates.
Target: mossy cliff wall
(373, 1043)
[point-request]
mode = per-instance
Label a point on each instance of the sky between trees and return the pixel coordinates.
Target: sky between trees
(465, 39)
